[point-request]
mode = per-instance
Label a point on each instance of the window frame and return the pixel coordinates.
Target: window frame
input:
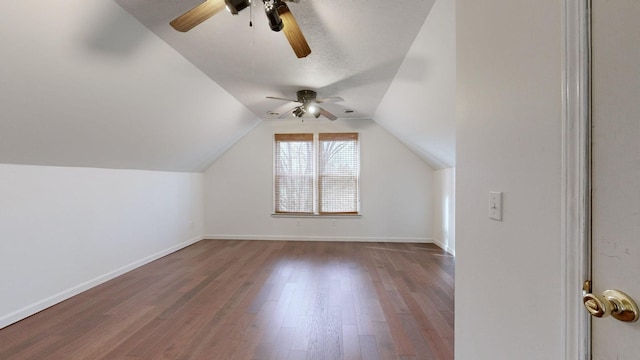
(316, 175)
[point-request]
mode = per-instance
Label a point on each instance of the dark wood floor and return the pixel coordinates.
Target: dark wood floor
(257, 300)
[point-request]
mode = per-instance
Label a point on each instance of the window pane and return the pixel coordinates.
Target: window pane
(338, 173)
(294, 169)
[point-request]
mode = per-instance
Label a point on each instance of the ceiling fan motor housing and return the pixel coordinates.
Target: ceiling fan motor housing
(306, 95)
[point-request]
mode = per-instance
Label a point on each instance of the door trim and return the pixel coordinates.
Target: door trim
(576, 176)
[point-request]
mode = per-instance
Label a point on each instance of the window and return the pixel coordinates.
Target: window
(316, 173)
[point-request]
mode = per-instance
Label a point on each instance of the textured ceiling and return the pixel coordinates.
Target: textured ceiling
(357, 47)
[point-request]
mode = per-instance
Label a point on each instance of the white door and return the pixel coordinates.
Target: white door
(616, 169)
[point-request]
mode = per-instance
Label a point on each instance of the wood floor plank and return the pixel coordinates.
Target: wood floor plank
(369, 347)
(282, 344)
(394, 325)
(257, 300)
(351, 342)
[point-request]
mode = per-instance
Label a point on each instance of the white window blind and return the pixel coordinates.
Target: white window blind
(294, 173)
(338, 173)
(316, 173)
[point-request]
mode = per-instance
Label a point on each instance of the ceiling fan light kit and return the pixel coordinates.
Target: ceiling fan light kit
(298, 112)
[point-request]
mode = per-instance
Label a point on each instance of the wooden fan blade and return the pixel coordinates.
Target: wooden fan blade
(293, 33)
(330, 99)
(279, 98)
(198, 14)
(327, 114)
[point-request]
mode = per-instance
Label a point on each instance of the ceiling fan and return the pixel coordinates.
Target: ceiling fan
(310, 105)
(277, 11)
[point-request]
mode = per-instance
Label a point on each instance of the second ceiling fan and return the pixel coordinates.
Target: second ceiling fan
(277, 11)
(310, 105)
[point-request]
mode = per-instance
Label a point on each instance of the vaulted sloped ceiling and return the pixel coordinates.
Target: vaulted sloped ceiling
(419, 107)
(92, 83)
(85, 84)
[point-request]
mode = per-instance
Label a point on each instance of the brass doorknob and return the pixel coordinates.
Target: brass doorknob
(612, 302)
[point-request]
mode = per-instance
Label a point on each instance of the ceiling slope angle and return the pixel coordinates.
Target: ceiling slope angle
(357, 47)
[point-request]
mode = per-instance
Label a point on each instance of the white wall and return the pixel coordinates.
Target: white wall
(508, 278)
(419, 106)
(396, 189)
(444, 209)
(64, 230)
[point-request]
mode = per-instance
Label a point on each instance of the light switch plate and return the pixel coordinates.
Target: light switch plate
(495, 205)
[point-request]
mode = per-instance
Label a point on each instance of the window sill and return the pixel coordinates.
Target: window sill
(323, 216)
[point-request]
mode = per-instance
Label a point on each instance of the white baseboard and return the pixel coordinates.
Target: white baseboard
(38, 306)
(319, 238)
(444, 247)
